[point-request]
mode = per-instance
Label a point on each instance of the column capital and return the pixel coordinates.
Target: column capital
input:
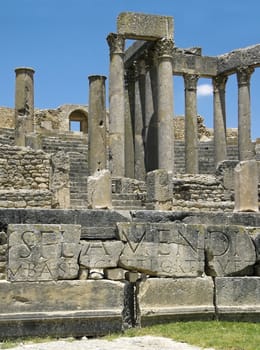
(116, 43)
(243, 75)
(164, 48)
(190, 81)
(219, 82)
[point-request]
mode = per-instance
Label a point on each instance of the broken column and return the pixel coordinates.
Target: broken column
(164, 50)
(245, 149)
(116, 105)
(220, 142)
(246, 186)
(24, 104)
(100, 190)
(97, 145)
(191, 127)
(159, 190)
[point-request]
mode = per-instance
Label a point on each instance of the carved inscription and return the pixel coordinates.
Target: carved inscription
(43, 252)
(99, 254)
(229, 251)
(165, 249)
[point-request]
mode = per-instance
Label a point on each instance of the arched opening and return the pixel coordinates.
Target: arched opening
(78, 121)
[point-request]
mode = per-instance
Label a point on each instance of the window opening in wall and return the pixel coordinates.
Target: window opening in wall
(75, 125)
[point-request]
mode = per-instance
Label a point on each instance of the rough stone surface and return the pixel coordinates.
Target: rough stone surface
(159, 190)
(246, 186)
(61, 308)
(165, 299)
(43, 252)
(229, 251)
(145, 27)
(238, 295)
(162, 249)
(100, 190)
(99, 254)
(60, 181)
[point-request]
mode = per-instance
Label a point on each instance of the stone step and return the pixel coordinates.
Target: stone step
(128, 196)
(126, 203)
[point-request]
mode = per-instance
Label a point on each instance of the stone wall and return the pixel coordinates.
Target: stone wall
(128, 274)
(6, 117)
(25, 178)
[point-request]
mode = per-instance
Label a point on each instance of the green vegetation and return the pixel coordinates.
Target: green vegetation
(218, 335)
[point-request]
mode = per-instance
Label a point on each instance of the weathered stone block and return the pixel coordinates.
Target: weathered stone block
(145, 27)
(115, 274)
(238, 296)
(99, 254)
(165, 249)
(100, 190)
(159, 190)
(229, 251)
(175, 298)
(246, 186)
(43, 252)
(61, 308)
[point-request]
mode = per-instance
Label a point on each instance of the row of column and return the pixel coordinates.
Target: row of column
(131, 158)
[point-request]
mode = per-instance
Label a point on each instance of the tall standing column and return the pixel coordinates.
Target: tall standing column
(116, 105)
(220, 141)
(191, 125)
(139, 121)
(24, 104)
(245, 149)
(97, 145)
(164, 50)
(151, 112)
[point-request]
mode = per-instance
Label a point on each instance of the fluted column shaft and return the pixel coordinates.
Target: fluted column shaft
(220, 141)
(97, 145)
(191, 125)
(116, 105)
(164, 49)
(24, 104)
(245, 149)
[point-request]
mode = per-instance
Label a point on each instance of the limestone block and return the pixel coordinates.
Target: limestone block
(159, 189)
(145, 27)
(38, 252)
(61, 308)
(229, 251)
(96, 274)
(100, 190)
(60, 180)
(100, 254)
(246, 186)
(162, 249)
(166, 298)
(115, 274)
(238, 295)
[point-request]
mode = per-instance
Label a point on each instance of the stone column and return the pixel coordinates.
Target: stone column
(116, 105)
(191, 124)
(24, 104)
(129, 121)
(220, 142)
(139, 121)
(151, 115)
(245, 149)
(164, 50)
(97, 145)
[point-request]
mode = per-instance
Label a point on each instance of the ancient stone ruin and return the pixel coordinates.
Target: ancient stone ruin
(139, 217)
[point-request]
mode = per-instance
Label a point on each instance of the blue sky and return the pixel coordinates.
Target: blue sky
(65, 42)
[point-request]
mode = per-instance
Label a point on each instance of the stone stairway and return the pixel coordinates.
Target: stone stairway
(128, 194)
(77, 149)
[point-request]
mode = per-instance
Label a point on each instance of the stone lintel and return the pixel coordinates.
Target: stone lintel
(144, 27)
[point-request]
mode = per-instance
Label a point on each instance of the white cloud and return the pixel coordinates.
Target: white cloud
(204, 90)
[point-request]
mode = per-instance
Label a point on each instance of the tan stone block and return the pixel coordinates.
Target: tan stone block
(100, 190)
(246, 186)
(169, 298)
(145, 27)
